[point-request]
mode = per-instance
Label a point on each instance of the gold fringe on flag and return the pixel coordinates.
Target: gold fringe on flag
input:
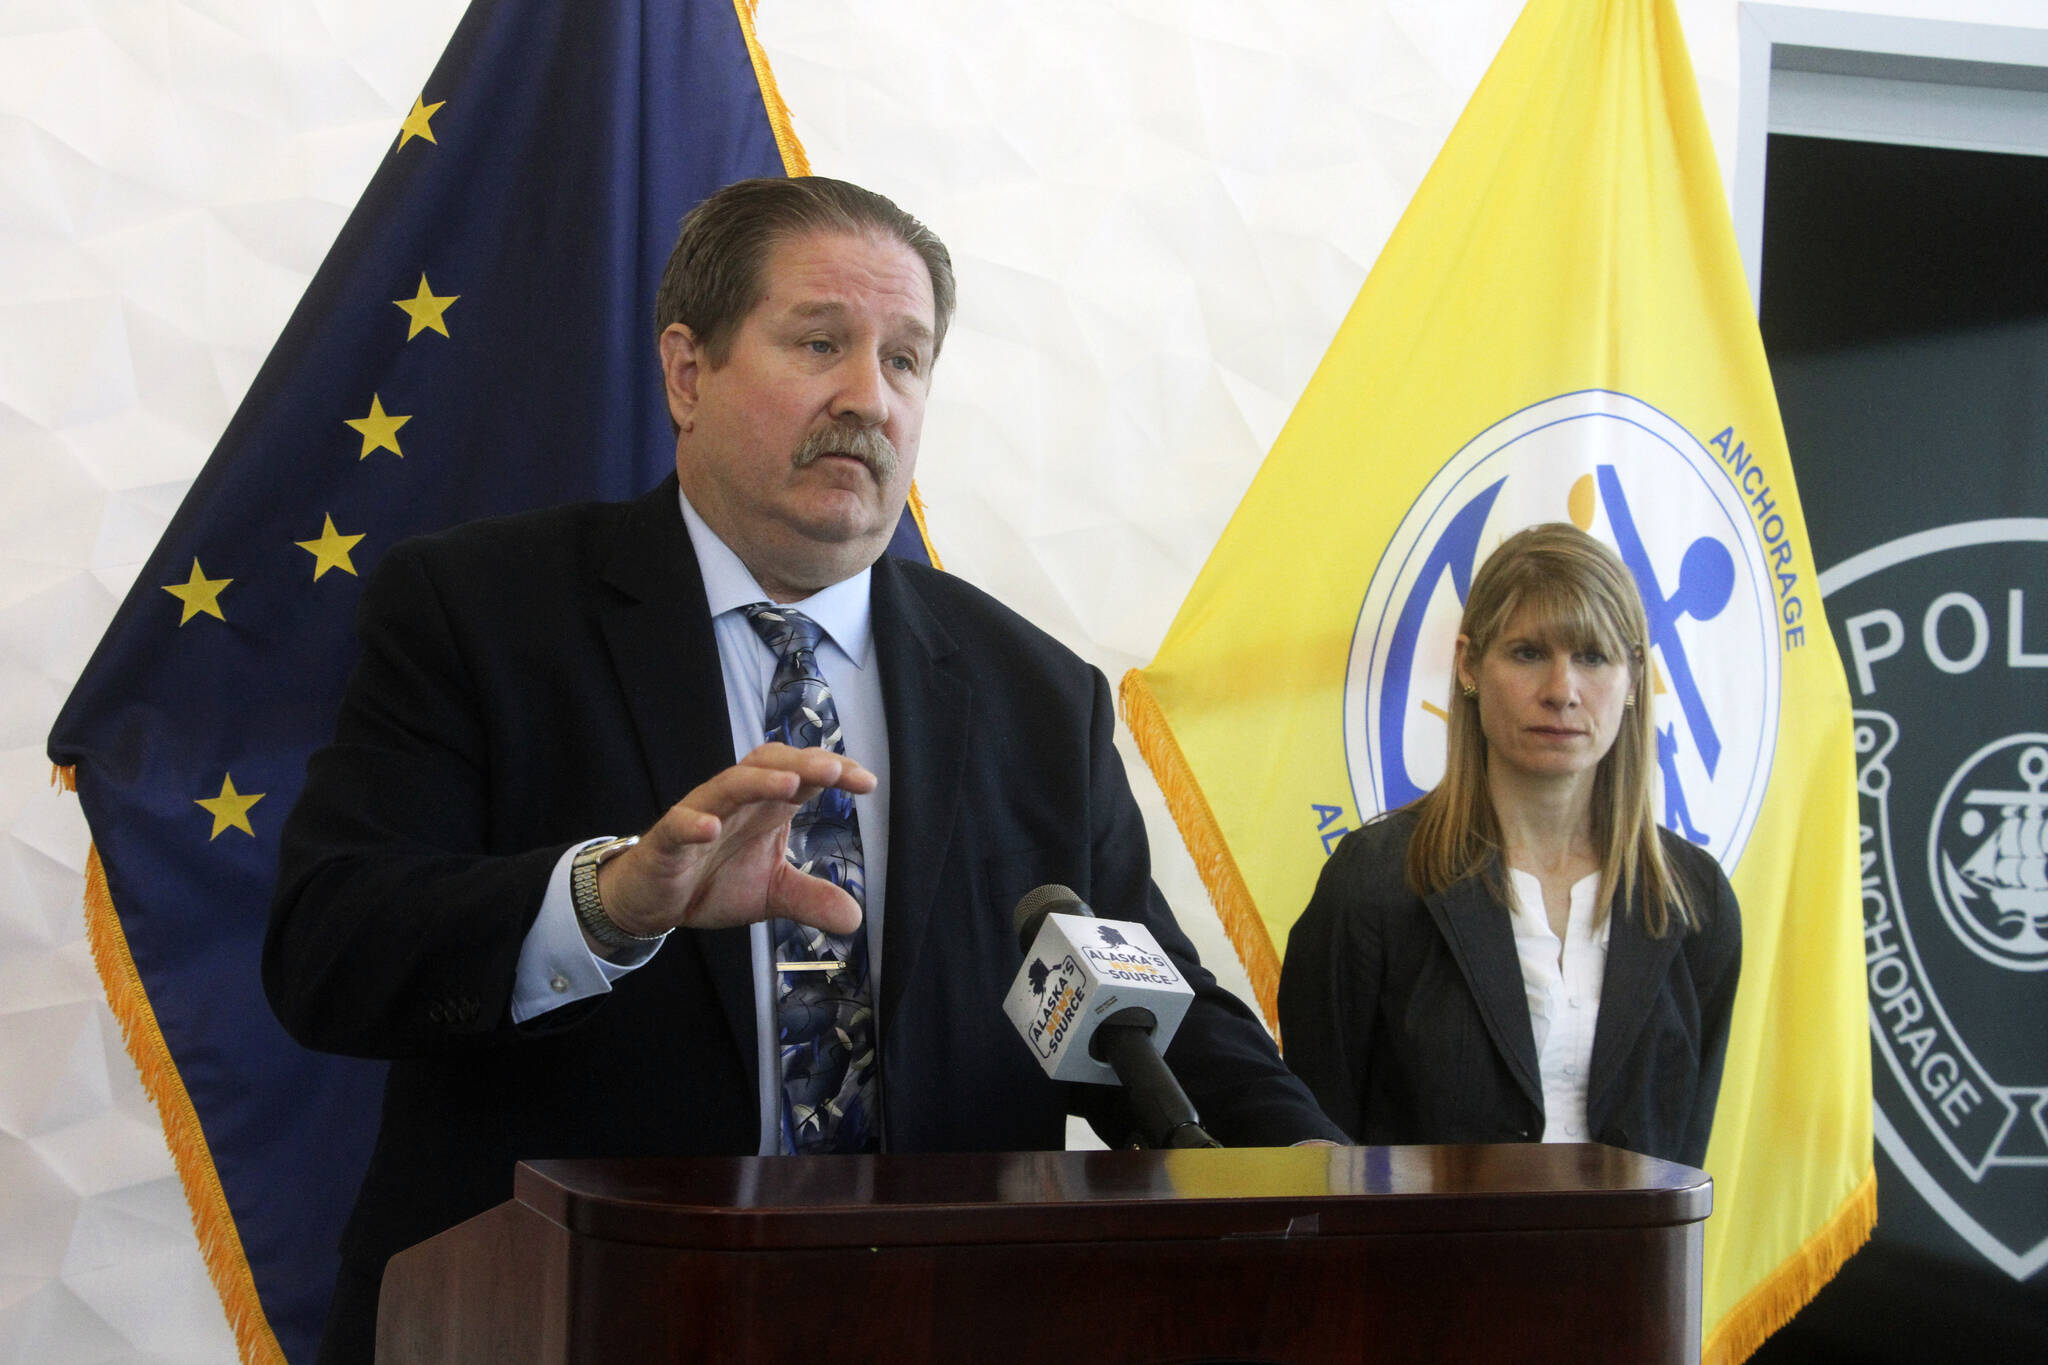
(219, 1242)
(923, 532)
(1789, 1288)
(1204, 838)
(794, 162)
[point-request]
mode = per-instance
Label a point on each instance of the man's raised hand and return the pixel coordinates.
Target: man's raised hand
(718, 857)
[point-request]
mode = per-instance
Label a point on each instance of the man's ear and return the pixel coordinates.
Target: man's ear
(681, 362)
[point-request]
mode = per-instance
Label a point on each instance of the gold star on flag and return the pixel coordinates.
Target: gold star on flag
(199, 594)
(416, 124)
(230, 810)
(380, 429)
(330, 551)
(425, 310)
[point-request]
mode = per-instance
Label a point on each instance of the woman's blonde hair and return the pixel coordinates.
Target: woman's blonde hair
(1581, 597)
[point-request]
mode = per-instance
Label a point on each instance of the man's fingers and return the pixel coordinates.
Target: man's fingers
(717, 857)
(776, 772)
(815, 767)
(746, 784)
(701, 817)
(814, 901)
(774, 775)
(681, 826)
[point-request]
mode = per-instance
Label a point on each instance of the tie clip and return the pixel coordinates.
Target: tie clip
(826, 966)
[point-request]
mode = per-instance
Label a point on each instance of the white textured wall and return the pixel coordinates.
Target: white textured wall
(1160, 210)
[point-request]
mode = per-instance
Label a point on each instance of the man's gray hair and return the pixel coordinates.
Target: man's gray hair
(713, 279)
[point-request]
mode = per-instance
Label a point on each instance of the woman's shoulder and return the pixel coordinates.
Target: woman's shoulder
(1700, 869)
(1362, 888)
(1369, 867)
(1712, 896)
(1383, 838)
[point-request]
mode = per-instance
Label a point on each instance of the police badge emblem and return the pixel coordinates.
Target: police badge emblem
(1947, 670)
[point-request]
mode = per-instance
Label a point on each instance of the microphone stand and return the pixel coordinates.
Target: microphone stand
(1165, 1117)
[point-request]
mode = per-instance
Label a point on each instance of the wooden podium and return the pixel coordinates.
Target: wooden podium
(1526, 1253)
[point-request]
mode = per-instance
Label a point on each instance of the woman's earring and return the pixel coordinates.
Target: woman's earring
(1470, 689)
(1628, 703)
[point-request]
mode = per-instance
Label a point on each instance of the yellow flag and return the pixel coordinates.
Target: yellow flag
(1558, 329)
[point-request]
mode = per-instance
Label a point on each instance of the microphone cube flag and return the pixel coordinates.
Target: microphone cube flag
(1078, 972)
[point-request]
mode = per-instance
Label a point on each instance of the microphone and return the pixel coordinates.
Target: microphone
(1097, 1001)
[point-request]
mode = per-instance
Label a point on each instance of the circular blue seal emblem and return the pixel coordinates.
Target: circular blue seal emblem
(1636, 479)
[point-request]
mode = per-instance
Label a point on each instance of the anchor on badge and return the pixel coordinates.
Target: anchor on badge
(2010, 865)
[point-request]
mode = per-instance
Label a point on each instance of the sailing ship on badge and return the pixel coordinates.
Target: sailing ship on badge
(2010, 864)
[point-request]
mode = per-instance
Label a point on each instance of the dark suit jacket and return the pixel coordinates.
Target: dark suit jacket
(1408, 1018)
(530, 682)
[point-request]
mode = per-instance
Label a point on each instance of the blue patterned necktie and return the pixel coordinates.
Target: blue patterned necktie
(824, 1015)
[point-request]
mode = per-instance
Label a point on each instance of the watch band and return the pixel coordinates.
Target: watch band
(590, 906)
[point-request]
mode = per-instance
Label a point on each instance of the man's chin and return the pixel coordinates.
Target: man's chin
(842, 531)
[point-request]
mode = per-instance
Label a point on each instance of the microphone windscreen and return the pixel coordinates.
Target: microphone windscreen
(1079, 971)
(1040, 901)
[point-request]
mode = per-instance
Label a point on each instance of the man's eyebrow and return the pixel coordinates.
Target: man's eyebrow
(822, 308)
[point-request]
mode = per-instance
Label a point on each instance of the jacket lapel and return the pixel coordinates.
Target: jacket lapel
(657, 627)
(928, 703)
(656, 624)
(1636, 965)
(1482, 941)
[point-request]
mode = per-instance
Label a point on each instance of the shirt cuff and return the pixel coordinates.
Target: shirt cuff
(556, 966)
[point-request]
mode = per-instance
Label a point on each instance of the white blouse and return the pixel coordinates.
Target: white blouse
(1563, 986)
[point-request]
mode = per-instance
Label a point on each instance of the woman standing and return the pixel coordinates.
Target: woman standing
(1522, 954)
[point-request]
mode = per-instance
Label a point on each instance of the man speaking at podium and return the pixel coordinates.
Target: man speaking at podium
(807, 946)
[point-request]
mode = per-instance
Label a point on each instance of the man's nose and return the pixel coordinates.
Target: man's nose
(863, 395)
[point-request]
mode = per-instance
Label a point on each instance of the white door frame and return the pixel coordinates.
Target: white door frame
(1877, 78)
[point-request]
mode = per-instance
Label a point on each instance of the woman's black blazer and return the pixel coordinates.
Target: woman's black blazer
(1407, 1017)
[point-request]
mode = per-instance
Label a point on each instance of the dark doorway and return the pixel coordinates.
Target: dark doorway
(1905, 314)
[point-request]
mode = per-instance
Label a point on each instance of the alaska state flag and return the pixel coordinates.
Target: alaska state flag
(479, 340)
(1557, 330)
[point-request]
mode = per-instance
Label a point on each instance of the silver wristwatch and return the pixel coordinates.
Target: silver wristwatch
(590, 907)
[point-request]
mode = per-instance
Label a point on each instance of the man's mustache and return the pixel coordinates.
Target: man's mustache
(866, 444)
